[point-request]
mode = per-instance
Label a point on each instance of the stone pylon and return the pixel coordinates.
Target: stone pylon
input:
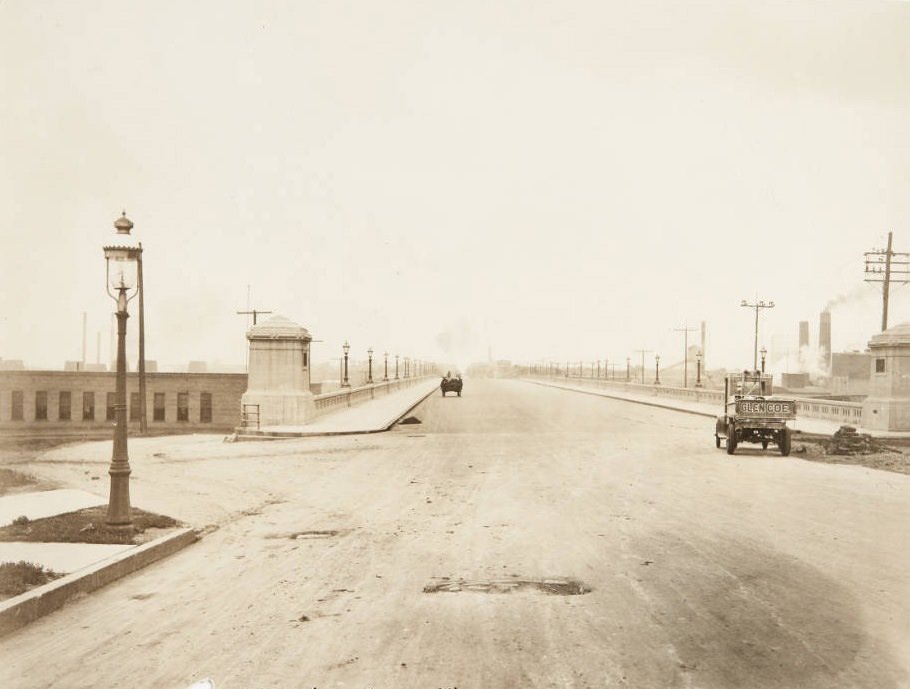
(278, 383)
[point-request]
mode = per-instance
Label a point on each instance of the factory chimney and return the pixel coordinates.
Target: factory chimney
(824, 339)
(803, 334)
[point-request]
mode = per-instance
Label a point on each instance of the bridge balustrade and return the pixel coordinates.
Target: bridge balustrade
(831, 410)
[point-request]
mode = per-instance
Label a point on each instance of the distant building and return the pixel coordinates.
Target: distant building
(82, 402)
(794, 381)
(850, 373)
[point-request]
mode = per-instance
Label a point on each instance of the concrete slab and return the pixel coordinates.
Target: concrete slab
(45, 504)
(59, 557)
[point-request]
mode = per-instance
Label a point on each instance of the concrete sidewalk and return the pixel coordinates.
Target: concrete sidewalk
(373, 416)
(89, 566)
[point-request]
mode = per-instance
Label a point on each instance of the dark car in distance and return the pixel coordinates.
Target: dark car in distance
(451, 383)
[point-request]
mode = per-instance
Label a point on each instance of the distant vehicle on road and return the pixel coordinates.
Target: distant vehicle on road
(451, 383)
(752, 414)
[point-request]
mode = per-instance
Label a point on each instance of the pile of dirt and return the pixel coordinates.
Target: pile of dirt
(847, 446)
(846, 441)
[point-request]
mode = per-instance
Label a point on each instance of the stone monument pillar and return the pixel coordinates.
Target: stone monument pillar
(887, 408)
(279, 373)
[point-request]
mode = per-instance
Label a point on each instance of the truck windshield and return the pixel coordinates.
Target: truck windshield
(748, 387)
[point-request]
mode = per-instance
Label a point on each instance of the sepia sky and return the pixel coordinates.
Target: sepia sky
(539, 179)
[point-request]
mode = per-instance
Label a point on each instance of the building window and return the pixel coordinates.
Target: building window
(158, 413)
(205, 407)
(111, 414)
(41, 405)
(65, 406)
(88, 406)
(18, 406)
(880, 365)
(306, 359)
(183, 406)
(134, 406)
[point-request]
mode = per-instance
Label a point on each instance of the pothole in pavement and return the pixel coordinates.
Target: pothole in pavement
(556, 586)
(302, 535)
(313, 534)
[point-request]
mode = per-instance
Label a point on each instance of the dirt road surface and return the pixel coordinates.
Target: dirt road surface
(703, 570)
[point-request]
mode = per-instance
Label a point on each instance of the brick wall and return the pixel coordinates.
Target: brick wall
(225, 390)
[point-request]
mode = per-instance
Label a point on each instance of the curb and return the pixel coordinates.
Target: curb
(804, 435)
(19, 611)
(408, 410)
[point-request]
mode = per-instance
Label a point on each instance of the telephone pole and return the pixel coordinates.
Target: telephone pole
(685, 330)
(643, 352)
(758, 305)
(882, 267)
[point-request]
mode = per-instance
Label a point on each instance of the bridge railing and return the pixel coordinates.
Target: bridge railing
(832, 410)
(329, 402)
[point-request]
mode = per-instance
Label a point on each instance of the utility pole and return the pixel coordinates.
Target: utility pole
(881, 266)
(685, 330)
(254, 312)
(758, 306)
(643, 352)
(143, 412)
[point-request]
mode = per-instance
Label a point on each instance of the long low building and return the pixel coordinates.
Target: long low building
(63, 402)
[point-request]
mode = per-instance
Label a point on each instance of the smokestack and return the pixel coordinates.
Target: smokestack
(824, 339)
(84, 317)
(703, 346)
(803, 334)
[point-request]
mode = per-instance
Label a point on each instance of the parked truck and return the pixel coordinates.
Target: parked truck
(752, 414)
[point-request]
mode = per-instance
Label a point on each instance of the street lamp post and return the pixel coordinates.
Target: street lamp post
(628, 369)
(764, 353)
(698, 358)
(370, 366)
(344, 381)
(122, 278)
(385, 375)
(396, 367)
(657, 369)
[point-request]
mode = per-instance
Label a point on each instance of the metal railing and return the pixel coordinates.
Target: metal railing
(248, 414)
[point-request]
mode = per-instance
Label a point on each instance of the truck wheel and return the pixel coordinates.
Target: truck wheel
(764, 444)
(784, 442)
(731, 443)
(716, 440)
(459, 393)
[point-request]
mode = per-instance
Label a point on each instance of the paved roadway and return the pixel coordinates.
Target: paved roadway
(705, 570)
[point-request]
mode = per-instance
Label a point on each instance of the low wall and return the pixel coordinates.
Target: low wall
(328, 402)
(844, 412)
